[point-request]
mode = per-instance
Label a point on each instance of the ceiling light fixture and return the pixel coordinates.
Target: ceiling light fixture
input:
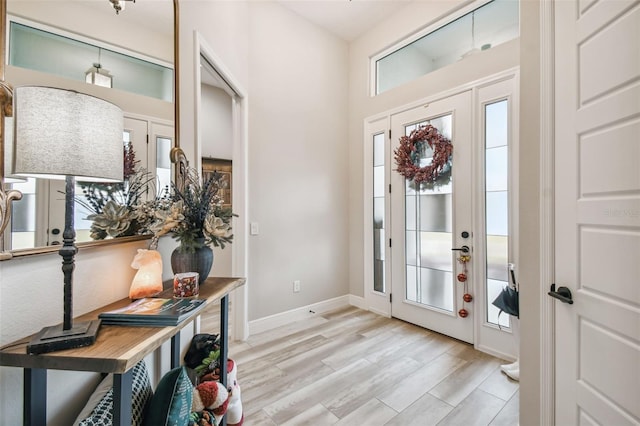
(118, 5)
(98, 75)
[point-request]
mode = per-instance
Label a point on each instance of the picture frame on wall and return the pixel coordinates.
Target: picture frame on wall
(225, 168)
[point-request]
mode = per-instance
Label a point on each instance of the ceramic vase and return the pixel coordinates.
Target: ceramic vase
(200, 261)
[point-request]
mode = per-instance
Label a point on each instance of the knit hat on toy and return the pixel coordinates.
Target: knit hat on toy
(212, 396)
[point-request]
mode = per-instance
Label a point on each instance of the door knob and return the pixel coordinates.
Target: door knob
(563, 294)
(464, 249)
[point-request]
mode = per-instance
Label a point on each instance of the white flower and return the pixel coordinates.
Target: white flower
(168, 219)
(215, 226)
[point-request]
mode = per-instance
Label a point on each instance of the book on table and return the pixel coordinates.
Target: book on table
(153, 312)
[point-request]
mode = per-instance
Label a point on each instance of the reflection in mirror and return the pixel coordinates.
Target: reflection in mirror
(59, 44)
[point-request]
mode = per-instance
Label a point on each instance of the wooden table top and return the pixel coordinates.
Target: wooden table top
(117, 348)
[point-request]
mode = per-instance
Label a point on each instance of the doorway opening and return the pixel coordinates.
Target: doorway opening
(221, 135)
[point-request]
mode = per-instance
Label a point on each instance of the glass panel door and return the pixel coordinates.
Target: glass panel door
(427, 223)
(428, 233)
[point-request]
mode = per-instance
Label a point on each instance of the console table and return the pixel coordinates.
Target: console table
(117, 350)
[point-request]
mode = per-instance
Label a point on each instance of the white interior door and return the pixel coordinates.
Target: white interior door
(597, 204)
(427, 224)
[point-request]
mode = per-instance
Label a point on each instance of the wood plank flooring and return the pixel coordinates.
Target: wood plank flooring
(353, 367)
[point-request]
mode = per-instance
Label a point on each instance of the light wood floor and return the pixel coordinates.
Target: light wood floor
(352, 367)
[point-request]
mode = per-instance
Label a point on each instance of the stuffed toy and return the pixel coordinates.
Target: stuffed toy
(235, 416)
(211, 396)
(203, 356)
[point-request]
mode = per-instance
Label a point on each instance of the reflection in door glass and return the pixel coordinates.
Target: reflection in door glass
(378, 213)
(163, 163)
(428, 237)
(23, 218)
(496, 205)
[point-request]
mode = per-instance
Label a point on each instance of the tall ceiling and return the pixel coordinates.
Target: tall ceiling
(348, 19)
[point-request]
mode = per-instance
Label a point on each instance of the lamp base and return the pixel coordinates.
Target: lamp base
(55, 338)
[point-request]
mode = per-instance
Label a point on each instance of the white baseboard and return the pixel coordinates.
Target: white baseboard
(381, 313)
(357, 301)
(283, 318)
(497, 354)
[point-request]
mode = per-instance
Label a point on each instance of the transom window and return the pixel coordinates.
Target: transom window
(474, 31)
(45, 51)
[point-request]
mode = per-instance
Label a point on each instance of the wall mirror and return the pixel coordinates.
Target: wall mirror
(67, 44)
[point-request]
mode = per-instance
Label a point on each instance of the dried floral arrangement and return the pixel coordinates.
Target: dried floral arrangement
(195, 215)
(122, 209)
(411, 151)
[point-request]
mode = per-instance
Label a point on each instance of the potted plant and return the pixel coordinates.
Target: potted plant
(195, 216)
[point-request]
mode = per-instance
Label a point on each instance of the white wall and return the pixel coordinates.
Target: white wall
(298, 161)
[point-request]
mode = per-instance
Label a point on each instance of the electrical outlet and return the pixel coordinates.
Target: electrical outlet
(296, 286)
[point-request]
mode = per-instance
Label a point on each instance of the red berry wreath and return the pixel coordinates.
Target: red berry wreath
(408, 155)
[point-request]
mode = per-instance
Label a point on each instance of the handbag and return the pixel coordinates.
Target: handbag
(507, 300)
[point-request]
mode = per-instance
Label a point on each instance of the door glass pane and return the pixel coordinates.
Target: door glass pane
(379, 240)
(23, 218)
(378, 181)
(496, 169)
(428, 234)
(436, 289)
(435, 212)
(497, 258)
(497, 211)
(163, 162)
(435, 250)
(496, 205)
(410, 214)
(494, 287)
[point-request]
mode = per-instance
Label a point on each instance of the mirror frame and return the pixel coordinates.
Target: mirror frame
(7, 197)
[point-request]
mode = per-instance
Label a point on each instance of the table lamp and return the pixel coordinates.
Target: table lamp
(62, 134)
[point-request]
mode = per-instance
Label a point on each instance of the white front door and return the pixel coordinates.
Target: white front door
(597, 205)
(427, 224)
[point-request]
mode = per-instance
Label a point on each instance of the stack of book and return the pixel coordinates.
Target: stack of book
(153, 312)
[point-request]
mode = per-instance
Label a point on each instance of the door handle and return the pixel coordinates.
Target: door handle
(464, 249)
(563, 294)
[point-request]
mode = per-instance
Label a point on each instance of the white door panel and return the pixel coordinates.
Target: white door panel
(597, 196)
(425, 227)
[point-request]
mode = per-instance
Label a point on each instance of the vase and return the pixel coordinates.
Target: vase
(200, 261)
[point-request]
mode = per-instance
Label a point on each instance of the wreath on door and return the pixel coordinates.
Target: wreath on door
(412, 150)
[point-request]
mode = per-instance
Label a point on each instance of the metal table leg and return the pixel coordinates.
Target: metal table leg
(122, 397)
(175, 351)
(224, 343)
(35, 397)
